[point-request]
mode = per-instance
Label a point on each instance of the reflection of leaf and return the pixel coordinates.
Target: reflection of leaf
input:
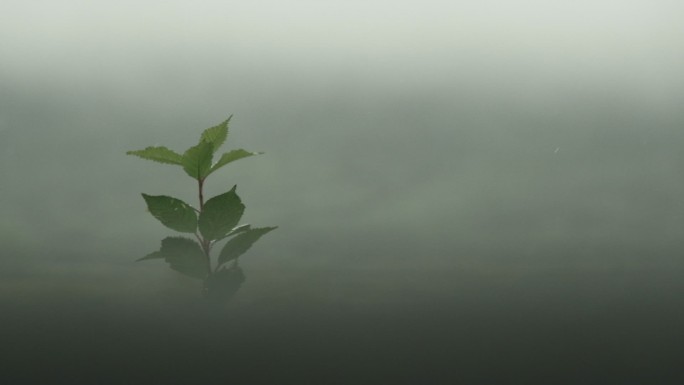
(197, 160)
(159, 154)
(241, 243)
(220, 215)
(224, 283)
(231, 157)
(185, 256)
(216, 135)
(172, 213)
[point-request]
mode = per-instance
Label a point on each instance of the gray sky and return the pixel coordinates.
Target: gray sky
(104, 42)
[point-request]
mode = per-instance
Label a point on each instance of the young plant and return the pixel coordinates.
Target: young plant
(212, 221)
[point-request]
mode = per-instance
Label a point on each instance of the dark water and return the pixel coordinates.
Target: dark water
(460, 324)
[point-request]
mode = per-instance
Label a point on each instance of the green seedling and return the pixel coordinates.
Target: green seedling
(211, 222)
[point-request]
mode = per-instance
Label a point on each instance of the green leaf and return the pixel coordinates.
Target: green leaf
(241, 243)
(153, 255)
(185, 256)
(172, 213)
(231, 157)
(220, 215)
(235, 231)
(238, 230)
(197, 160)
(216, 135)
(159, 154)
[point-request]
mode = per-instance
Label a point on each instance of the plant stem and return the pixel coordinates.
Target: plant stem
(206, 245)
(200, 182)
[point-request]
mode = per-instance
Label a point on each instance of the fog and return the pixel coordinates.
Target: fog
(490, 160)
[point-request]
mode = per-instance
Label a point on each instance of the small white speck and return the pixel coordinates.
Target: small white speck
(556, 150)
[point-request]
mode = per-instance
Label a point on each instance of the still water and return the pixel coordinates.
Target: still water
(471, 255)
(492, 201)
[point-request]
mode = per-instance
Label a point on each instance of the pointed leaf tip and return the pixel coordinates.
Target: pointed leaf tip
(216, 135)
(152, 255)
(232, 156)
(158, 154)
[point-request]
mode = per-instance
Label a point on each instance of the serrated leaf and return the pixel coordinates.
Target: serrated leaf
(241, 243)
(185, 256)
(220, 215)
(197, 160)
(216, 135)
(152, 255)
(172, 213)
(231, 157)
(159, 154)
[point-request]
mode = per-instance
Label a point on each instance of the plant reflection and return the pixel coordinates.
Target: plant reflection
(222, 285)
(185, 256)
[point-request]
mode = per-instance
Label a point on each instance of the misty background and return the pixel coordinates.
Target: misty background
(392, 130)
(413, 150)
